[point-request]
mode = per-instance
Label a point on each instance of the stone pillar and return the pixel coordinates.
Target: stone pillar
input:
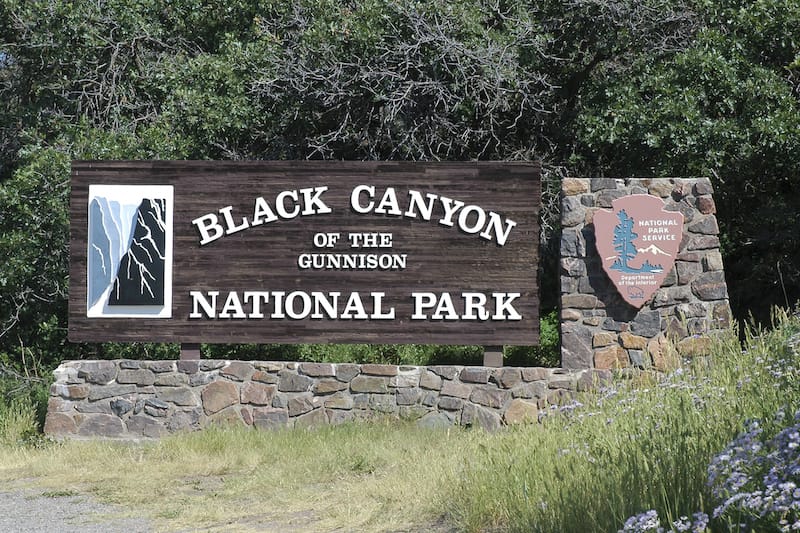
(598, 328)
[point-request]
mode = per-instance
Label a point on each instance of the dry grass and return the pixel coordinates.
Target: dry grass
(368, 477)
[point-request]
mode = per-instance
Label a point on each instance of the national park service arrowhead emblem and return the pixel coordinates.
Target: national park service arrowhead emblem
(638, 241)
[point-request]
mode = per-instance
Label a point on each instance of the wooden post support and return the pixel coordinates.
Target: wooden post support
(493, 356)
(190, 351)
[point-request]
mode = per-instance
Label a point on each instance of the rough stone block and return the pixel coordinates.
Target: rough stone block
(257, 393)
(694, 346)
(490, 396)
(346, 372)
(171, 380)
(603, 338)
(369, 384)
(598, 184)
(293, 382)
(610, 358)
(184, 419)
(573, 186)
(581, 301)
(572, 244)
(269, 418)
(570, 315)
(237, 370)
(228, 417)
(435, 420)
(563, 382)
(337, 416)
(721, 315)
(121, 406)
(507, 378)
(702, 242)
(101, 425)
(207, 365)
(445, 372)
(429, 380)
(298, 406)
(606, 198)
(429, 399)
(379, 370)
(631, 341)
(328, 386)
(315, 418)
(155, 407)
(383, 403)
(178, 395)
(109, 391)
(712, 261)
(339, 401)
(99, 372)
(456, 389)
(705, 226)
(188, 367)
(687, 272)
(535, 373)
(594, 379)
(573, 267)
(706, 205)
(692, 310)
(67, 373)
(146, 427)
(474, 375)
(264, 377)
(473, 415)
(535, 389)
(70, 392)
(273, 367)
(710, 286)
(407, 396)
(59, 424)
(406, 378)
(94, 407)
(141, 377)
(160, 367)
(218, 395)
(317, 370)
(520, 412)
(572, 211)
(647, 323)
(703, 186)
(670, 296)
(576, 346)
(448, 403)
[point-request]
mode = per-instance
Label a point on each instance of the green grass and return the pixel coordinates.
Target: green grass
(645, 444)
(641, 446)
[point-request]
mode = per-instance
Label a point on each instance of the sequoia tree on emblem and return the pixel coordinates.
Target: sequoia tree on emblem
(638, 241)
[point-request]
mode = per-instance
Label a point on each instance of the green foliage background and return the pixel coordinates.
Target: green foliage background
(592, 88)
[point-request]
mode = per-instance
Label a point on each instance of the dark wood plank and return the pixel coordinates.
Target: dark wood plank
(439, 258)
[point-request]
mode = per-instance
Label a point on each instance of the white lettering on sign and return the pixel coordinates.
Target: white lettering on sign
(288, 205)
(475, 306)
(352, 261)
(468, 218)
(295, 305)
(299, 305)
(471, 219)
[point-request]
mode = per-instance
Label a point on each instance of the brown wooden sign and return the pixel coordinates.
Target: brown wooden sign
(638, 242)
(317, 252)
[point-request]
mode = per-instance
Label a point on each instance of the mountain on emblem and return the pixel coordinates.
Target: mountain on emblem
(129, 261)
(638, 241)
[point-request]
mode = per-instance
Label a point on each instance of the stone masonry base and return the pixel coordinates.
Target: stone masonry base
(127, 399)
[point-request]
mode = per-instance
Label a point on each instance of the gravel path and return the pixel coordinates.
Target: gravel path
(33, 511)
